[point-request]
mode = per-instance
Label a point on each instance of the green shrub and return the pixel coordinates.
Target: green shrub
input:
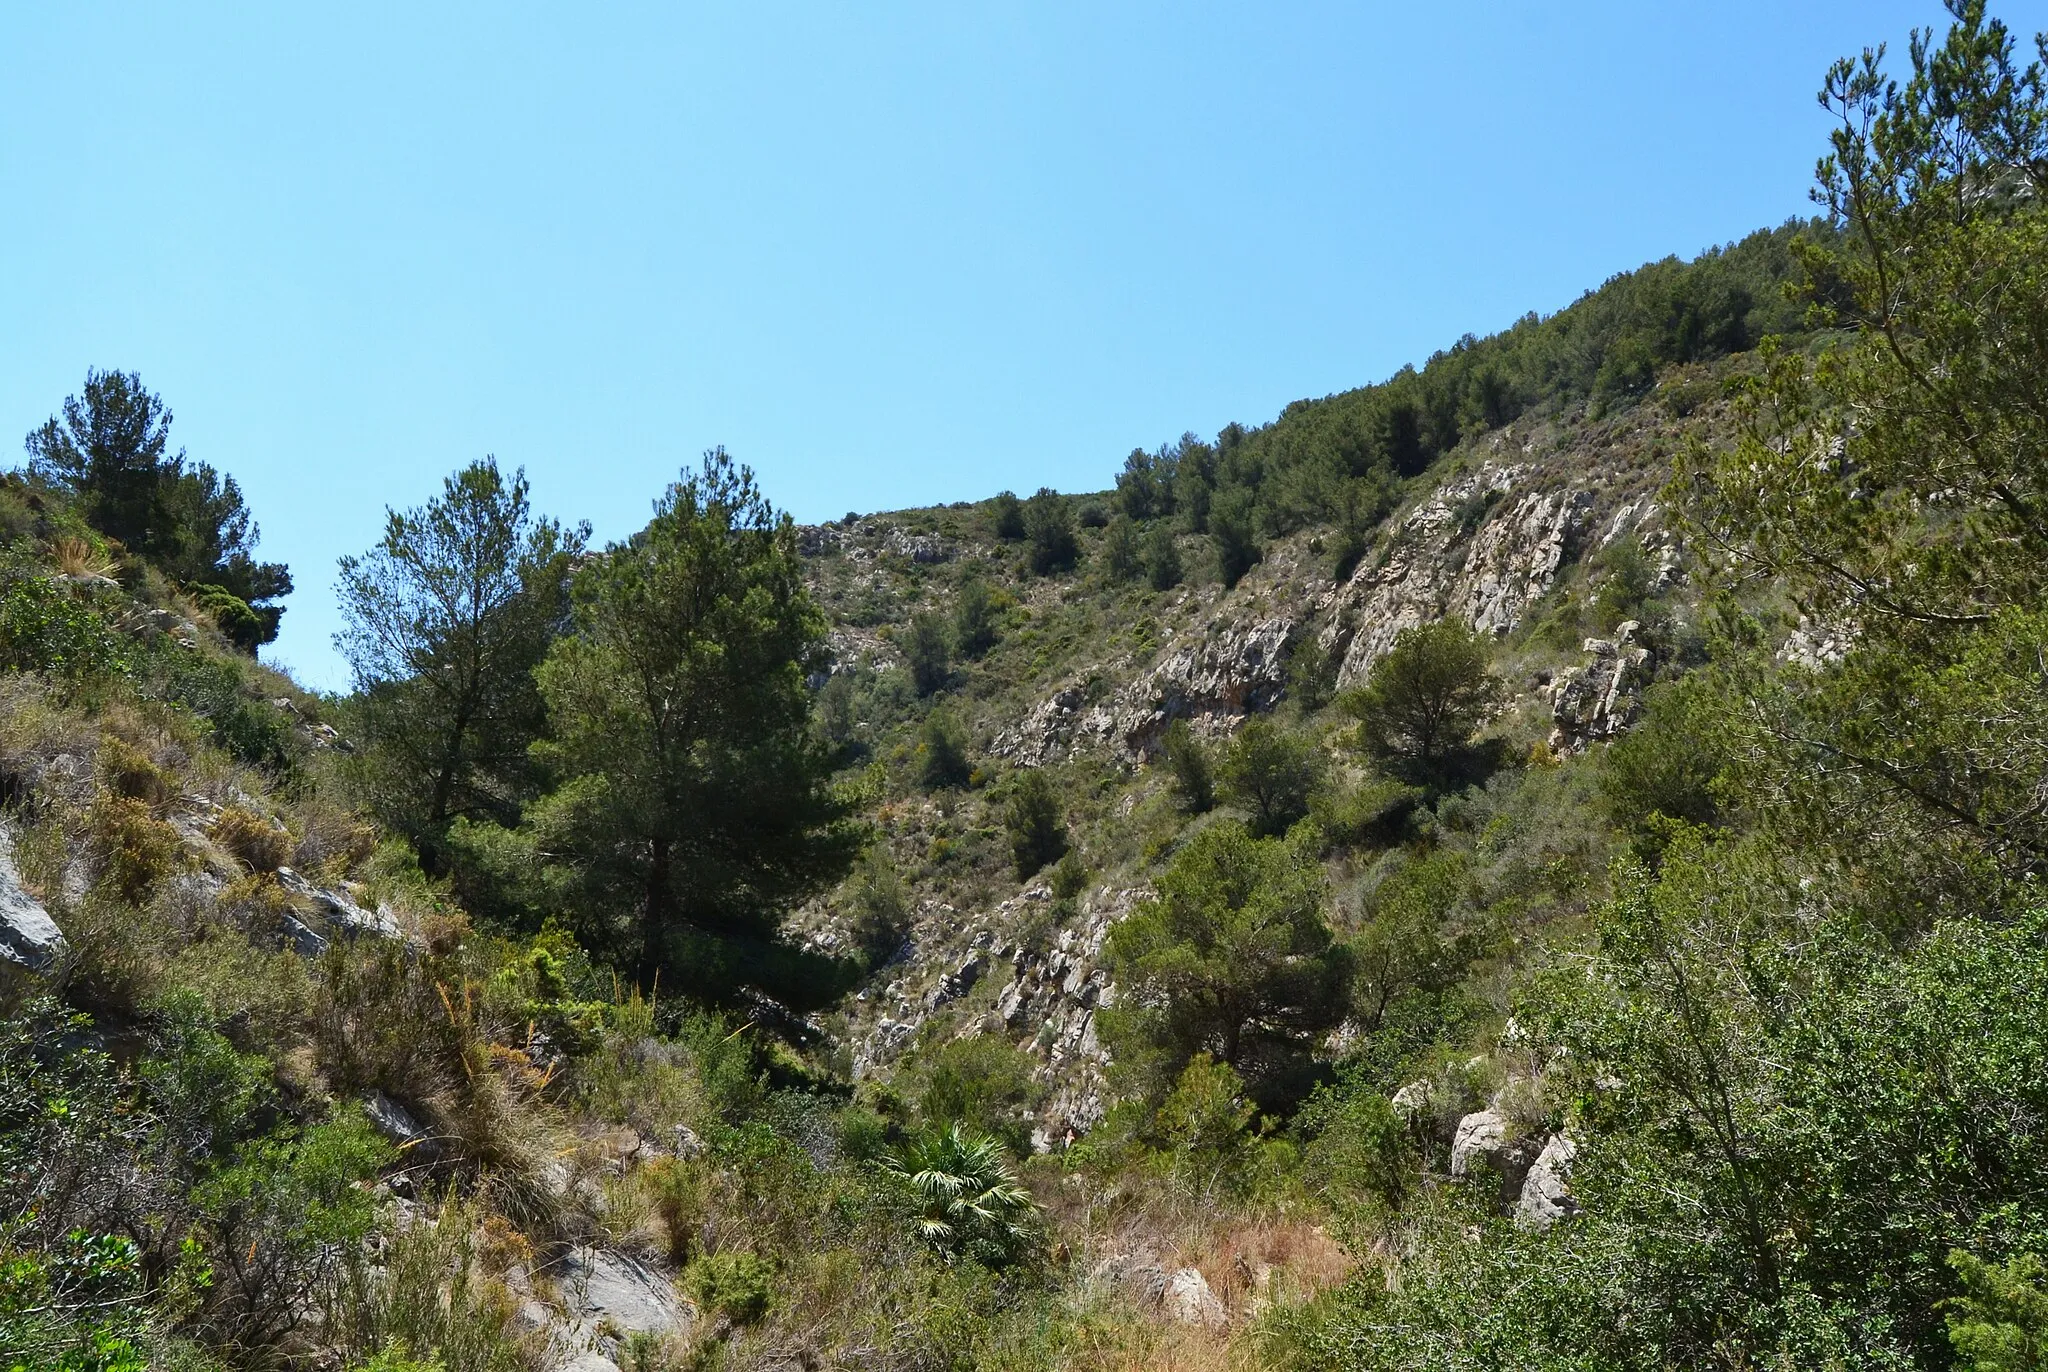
(1194, 787)
(1038, 834)
(1049, 525)
(44, 628)
(1006, 517)
(942, 752)
(735, 1286)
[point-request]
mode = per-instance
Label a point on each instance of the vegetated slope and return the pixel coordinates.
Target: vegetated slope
(1547, 534)
(1362, 894)
(223, 911)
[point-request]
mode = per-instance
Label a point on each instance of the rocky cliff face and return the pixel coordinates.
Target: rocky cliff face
(1503, 534)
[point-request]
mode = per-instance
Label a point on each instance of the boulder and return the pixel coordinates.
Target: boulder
(1485, 1138)
(337, 910)
(1546, 1197)
(1188, 1300)
(30, 940)
(1481, 1135)
(601, 1289)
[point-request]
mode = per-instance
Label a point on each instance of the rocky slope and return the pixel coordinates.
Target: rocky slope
(1511, 534)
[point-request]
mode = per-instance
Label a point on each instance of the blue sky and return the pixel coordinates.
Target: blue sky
(888, 253)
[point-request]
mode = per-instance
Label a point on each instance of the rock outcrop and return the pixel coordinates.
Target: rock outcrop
(1546, 1194)
(1600, 700)
(1211, 677)
(30, 941)
(1481, 548)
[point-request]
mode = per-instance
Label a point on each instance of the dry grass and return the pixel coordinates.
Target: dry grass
(253, 840)
(77, 557)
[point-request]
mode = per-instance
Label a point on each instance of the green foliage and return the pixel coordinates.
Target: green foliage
(1234, 535)
(1232, 958)
(1145, 486)
(880, 907)
(1162, 558)
(1422, 701)
(1672, 764)
(1037, 830)
(1891, 482)
(735, 1285)
(445, 621)
(1122, 554)
(46, 628)
(1194, 787)
(1359, 1156)
(928, 648)
(692, 808)
(976, 618)
(277, 1220)
(1202, 1127)
(111, 451)
(1270, 772)
(1410, 942)
(942, 759)
(968, 1203)
(982, 1082)
(1049, 526)
(1006, 517)
(2000, 1324)
(214, 691)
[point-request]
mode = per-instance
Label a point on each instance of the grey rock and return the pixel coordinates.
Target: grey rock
(30, 940)
(1413, 1099)
(1546, 1194)
(340, 913)
(627, 1295)
(397, 1124)
(1481, 1135)
(1188, 1300)
(587, 1362)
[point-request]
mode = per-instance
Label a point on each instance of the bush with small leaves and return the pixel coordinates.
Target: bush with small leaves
(1006, 517)
(942, 752)
(1038, 833)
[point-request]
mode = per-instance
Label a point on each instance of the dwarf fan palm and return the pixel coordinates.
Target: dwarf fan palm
(969, 1203)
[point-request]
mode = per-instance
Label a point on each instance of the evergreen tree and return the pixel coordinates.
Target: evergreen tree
(110, 451)
(1271, 773)
(1162, 558)
(1038, 832)
(445, 621)
(692, 809)
(1231, 958)
(1049, 525)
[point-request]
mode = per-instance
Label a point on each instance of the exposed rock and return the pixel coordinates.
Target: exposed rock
(587, 1362)
(922, 548)
(30, 940)
(1188, 1300)
(1477, 549)
(1138, 1275)
(1412, 1100)
(1211, 677)
(1546, 1197)
(1600, 700)
(397, 1124)
(339, 912)
(610, 1293)
(1481, 1135)
(1485, 1138)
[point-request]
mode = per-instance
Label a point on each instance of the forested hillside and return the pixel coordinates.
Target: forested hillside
(1533, 863)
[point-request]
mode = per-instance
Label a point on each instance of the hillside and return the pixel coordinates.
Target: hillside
(1534, 863)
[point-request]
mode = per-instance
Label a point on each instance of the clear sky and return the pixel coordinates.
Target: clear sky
(890, 254)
